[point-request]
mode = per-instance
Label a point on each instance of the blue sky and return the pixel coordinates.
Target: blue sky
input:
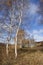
(33, 18)
(35, 29)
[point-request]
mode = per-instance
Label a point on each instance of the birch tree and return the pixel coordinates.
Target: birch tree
(20, 7)
(14, 13)
(3, 23)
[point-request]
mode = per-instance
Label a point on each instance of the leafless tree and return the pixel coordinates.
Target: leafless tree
(14, 13)
(20, 7)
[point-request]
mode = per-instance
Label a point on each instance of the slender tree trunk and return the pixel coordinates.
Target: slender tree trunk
(20, 18)
(17, 34)
(8, 39)
(16, 47)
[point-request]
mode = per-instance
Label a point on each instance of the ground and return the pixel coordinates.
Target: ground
(26, 56)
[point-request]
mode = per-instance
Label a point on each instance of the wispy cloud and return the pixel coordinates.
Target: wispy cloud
(38, 35)
(38, 31)
(33, 8)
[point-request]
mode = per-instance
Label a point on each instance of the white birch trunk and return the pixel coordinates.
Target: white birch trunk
(16, 47)
(17, 34)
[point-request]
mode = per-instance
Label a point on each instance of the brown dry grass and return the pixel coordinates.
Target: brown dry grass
(26, 56)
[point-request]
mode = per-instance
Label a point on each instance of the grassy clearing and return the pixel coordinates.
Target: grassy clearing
(26, 56)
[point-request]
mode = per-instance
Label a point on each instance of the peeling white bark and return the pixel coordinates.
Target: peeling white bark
(17, 34)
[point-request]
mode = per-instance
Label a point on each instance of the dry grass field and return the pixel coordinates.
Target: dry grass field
(26, 56)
